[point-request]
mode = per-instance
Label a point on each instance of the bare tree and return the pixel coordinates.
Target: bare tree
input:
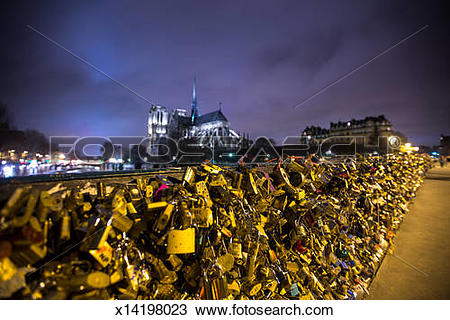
(6, 117)
(36, 141)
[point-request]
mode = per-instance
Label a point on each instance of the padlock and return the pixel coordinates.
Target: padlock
(250, 184)
(164, 275)
(131, 209)
(214, 284)
(19, 221)
(164, 217)
(15, 202)
(65, 226)
(234, 287)
(132, 272)
(218, 181)
(96, 234)
(253, 289)
(211, 168)
(167, 292)
(235, 248)
(7, 269)
(175, 262)
(141, 184)
(189, 176)
(45, 203)
(101, 190)
(225, 262)
(202, 214)
(186, 215)
(118, 203)
(202, 190)
(155, 205)
(115, 276)
(92, 280)
(191, 273)
(121, 223)
(236, 180)
(251, 262)
(27, 253)
(104, 254)
(148, 191)
(181, 241)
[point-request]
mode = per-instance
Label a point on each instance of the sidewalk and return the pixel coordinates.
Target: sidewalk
(420, 265)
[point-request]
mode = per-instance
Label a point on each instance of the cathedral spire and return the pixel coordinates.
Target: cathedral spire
(194, 105)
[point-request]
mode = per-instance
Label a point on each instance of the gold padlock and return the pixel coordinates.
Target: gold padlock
(181, 241)
(103, 255)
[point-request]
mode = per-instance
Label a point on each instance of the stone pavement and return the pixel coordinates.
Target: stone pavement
(419, 267)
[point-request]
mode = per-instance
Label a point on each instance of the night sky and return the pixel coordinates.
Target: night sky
(259, 58)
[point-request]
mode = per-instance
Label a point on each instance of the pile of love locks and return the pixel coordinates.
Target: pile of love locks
(293, 230)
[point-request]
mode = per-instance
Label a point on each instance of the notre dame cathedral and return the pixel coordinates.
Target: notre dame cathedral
(211, 130)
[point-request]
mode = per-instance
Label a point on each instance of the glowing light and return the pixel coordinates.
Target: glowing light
(61, 156)
(407, 147)
(8, 171)
(33, 164)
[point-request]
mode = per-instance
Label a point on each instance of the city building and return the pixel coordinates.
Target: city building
(208, 130)
(314, 133)
(369, 129)
(444, 146)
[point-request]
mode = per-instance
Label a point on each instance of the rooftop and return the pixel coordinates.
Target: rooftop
(204, 118)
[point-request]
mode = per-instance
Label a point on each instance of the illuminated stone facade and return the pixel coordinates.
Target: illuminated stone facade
(211, 129)
(369, 128)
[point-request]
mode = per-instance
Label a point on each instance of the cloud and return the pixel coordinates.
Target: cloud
(258, 57)
(309, 54)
